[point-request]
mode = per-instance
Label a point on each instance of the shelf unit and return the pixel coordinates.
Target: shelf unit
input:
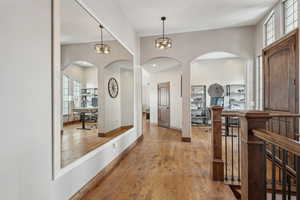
(89, 97)
(199, 113)
(237, 96)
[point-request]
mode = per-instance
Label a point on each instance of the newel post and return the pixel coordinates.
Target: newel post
(253, 159)
(217, 166)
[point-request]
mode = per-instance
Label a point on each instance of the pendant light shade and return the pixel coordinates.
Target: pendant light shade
(102, 48)
(163, 42)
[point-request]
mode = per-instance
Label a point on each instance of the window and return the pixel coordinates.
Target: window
(65, 95)
(270, 29)
(76, 93)
(290, 9)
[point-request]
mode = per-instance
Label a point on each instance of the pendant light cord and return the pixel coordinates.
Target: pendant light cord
(101, 27)
(163, 29)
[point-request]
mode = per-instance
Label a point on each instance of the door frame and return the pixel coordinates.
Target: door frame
(158, 95)
(290, 36)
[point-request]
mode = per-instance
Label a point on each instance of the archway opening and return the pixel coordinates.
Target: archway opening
(79, 91)
(217, 78)
(162, 95)
(118, 97)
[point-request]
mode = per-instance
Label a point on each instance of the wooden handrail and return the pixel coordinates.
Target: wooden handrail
(284, 115)
(284, 142)
(230, 113)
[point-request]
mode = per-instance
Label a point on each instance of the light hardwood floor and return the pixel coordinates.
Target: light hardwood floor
(76, 143)
(162, 167)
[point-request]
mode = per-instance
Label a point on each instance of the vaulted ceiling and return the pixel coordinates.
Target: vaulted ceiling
(77, 26)
(192, 15)
(182, 16)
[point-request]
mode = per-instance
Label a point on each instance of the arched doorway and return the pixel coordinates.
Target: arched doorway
(79, 92)
(162, 95)
(223, 69)
(117, 100)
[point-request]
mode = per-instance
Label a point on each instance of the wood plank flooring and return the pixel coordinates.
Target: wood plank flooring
(164, 168)
(76, 143)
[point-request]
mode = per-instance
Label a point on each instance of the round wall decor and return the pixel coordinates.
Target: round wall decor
(216, 90)
(113, 88)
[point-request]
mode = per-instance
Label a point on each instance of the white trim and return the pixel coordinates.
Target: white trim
(269, 16)
(57, 97)
(90, 12)
(91, 154)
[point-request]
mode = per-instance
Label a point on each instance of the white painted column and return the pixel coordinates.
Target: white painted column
(186, 96)
(101, 101)
(138, 118)
(250, 84)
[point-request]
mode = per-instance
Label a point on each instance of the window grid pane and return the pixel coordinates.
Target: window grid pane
(290, 15)
(270, 30)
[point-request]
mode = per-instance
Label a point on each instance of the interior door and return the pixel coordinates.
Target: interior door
(281, 88)
(164, 104)
(281, 81)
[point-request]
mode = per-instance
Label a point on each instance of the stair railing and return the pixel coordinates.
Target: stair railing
(263, 152)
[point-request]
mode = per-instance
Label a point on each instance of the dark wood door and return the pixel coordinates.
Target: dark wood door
(281, 75)
(164, 104)
(281, 88)
(281, 81)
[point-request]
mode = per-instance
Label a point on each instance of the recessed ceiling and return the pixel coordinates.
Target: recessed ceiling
(193, 15)
(77, 26)
(83, 64)
(124, 64)
(161, 64)
(215, 55)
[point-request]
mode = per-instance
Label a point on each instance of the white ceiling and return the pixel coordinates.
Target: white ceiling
(161, 64)
(77, 26)
(192, 15)
(83, 64)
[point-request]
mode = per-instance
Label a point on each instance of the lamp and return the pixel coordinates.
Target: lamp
(163, 42)
(102, 48)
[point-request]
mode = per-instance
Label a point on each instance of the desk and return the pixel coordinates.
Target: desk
(82, 112)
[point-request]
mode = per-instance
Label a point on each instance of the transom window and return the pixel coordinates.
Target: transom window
(290, 15)
(270, 30)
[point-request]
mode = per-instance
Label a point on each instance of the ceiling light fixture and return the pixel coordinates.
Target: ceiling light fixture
(163, 42)
(154, 65)
(102, 48)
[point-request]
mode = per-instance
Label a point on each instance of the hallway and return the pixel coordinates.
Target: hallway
(162, 167)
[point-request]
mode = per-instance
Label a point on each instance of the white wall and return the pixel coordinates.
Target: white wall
(86, 75)
(173, 76)
(90, 77)
(127, 97)
(26, 152)
(146, 90)
(221, 71)
(188, 46)
(75, 73)
(25, 85)
(112, 105)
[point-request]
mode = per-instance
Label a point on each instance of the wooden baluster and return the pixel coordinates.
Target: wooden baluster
(217, 170)
(253, 165)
